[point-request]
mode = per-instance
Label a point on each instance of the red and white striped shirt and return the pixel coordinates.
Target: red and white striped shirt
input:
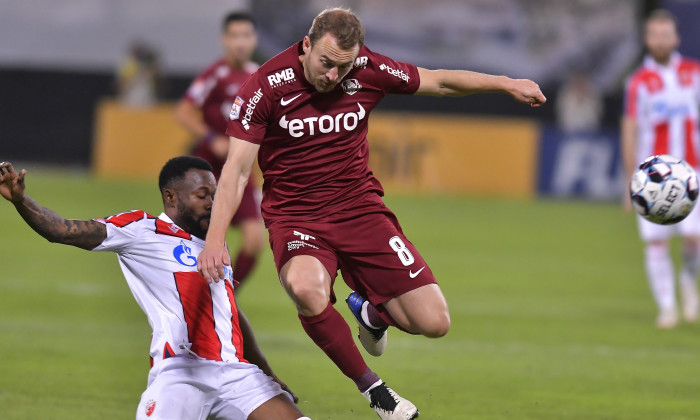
(187, 315)
(664, 100)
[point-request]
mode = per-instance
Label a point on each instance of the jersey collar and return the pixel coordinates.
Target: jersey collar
(650, 63)
(164, 217)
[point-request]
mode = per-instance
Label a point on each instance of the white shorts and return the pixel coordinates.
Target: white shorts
(197, 389)
(690, 226)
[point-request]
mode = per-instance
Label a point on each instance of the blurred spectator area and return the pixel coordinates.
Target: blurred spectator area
(58, 63)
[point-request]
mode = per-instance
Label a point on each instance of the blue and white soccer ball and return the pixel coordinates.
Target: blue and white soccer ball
(664, 189)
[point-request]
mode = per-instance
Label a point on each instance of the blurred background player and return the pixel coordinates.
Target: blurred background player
(204, 112)
(579, 106)
(138, 76)
(199, 335)
(661, 117)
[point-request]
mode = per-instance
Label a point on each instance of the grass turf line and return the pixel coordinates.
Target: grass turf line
(551, 317)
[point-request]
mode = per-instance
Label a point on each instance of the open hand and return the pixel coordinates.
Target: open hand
(527, 91)
(11, 183)
(211, 261)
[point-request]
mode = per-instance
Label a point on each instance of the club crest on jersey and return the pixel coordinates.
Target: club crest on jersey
(351, 86)
(236, 108)
(183, 255)
(150, 407)
(283, 77)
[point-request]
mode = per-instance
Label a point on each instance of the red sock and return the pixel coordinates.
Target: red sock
(243, 266)
(331, 333)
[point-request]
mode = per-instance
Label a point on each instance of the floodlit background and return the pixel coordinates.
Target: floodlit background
(514, 208)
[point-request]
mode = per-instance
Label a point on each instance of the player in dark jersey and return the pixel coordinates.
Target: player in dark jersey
(203, 111)
(304, 114)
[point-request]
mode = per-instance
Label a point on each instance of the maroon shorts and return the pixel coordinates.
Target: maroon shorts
(250, 203)
(370, 250)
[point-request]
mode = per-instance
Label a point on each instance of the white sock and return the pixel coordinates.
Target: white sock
(689, 280)
(660, 274)
(691, 266)
(365, 316)
(374, 385)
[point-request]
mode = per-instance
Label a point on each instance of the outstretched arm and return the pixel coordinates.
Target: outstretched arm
(229, 192)
(463, 82)
(254, 355)
(86, 234)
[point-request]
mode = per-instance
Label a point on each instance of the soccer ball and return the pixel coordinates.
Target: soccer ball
(664, 189)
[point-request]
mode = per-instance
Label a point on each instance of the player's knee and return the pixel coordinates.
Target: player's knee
(307, 291)
(437, 326)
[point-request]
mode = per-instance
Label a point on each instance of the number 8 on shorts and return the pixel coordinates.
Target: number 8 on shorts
(400, 248)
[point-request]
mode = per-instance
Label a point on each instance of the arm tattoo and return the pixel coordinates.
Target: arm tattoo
(85, 234)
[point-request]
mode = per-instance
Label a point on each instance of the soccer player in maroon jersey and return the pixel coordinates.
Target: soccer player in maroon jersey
(304, 114)
(203, 111)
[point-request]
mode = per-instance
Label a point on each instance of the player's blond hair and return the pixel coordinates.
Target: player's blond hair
(343, 24)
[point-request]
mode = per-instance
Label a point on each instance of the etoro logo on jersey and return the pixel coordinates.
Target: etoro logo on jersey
(283, 77)
(324, 124)
(183, 255)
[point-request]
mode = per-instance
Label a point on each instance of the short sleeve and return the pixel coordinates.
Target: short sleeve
(633, 95)
(200, 89)
(123, 230)
(251, 111)
(392, 76)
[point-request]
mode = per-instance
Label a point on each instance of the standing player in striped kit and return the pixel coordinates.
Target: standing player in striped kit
(661, 117)
(205, 362)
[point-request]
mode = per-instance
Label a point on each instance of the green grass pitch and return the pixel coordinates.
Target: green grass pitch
(551, 318)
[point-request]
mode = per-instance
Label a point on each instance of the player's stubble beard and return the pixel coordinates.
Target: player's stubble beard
(197, 226)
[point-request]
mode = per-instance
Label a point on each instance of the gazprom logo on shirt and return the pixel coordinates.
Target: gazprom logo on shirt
(183, 255)
(665, 110)
(395, 72)
(324, 124)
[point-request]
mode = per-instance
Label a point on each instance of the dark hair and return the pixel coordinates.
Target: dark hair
(662, 15)
(237, 17)
(345, 27)
(176, 168)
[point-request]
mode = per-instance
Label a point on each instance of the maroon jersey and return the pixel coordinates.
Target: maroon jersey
(314, 154)
(214, 91)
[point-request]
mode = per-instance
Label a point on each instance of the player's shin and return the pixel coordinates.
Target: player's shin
(332, 334)
(661, 280)
(688, 281)
(243, 265)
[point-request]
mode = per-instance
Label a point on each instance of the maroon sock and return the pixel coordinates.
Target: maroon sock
(332, 334)
(375, 319)
(243, 266)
